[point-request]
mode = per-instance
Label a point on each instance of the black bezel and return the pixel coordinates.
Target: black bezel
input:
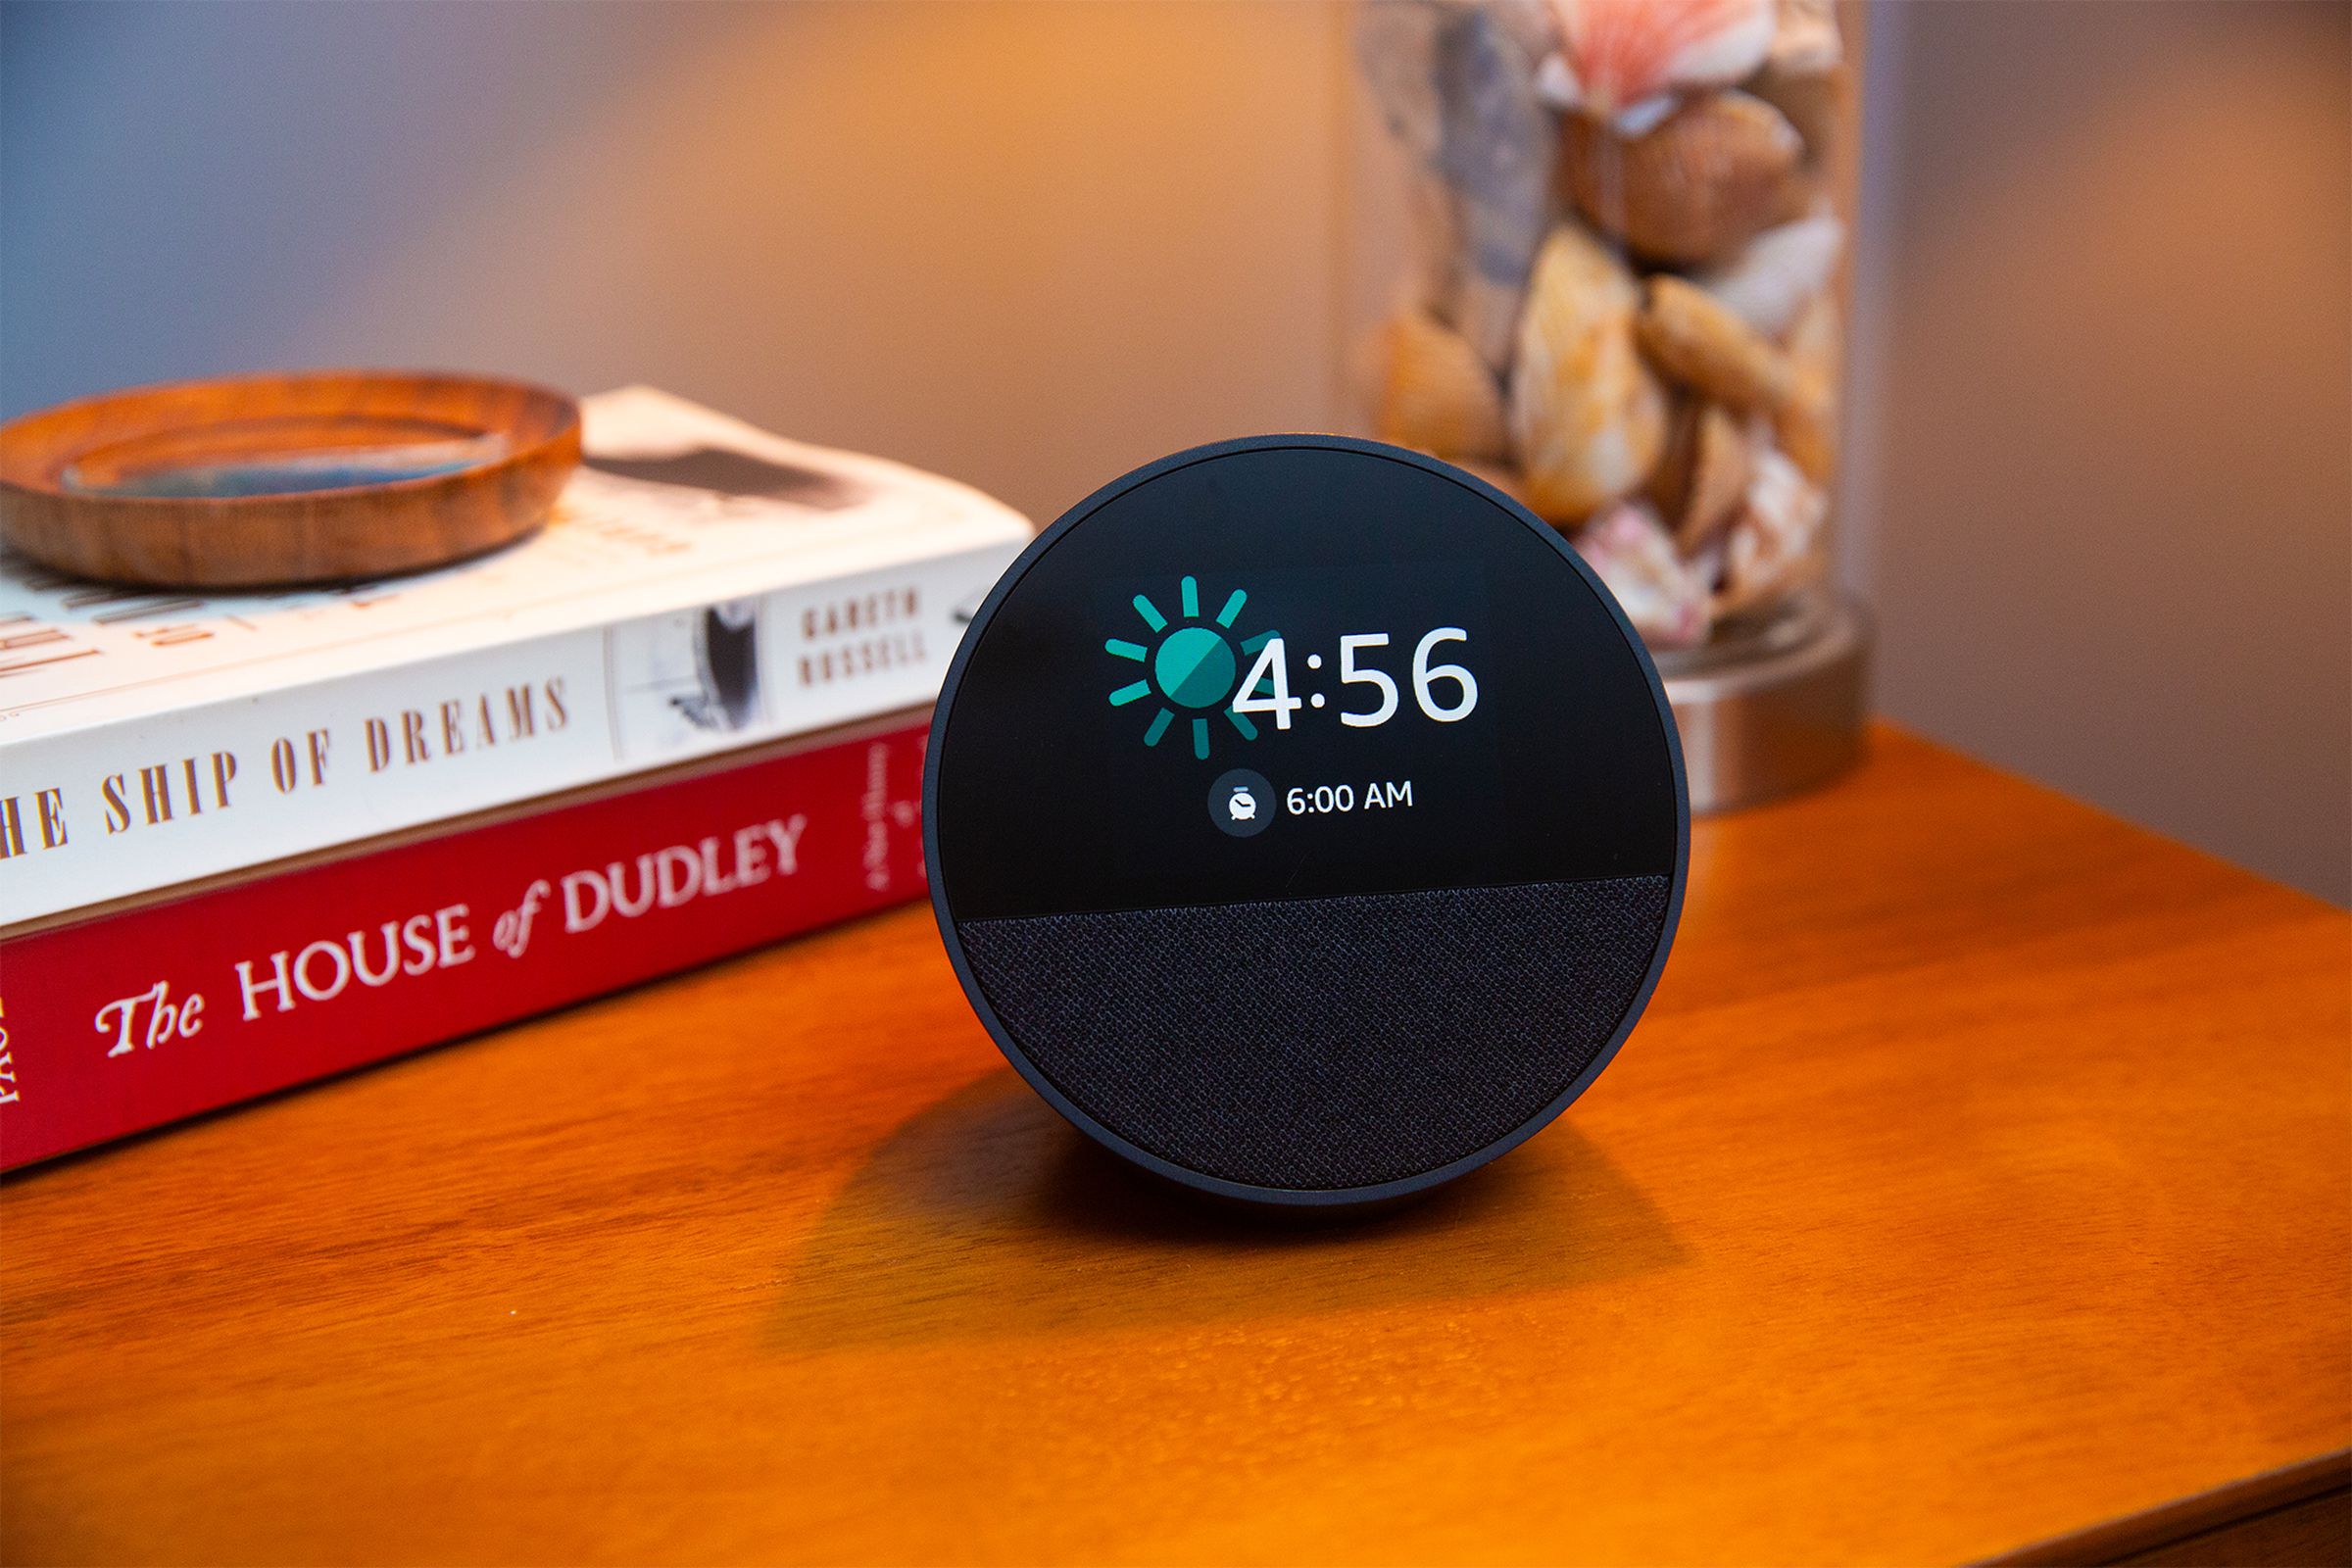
(1011, 1051)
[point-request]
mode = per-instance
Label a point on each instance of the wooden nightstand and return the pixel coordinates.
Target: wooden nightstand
(1979, 1183)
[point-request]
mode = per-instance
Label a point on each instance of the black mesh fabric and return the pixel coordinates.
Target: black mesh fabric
(1324, 1044)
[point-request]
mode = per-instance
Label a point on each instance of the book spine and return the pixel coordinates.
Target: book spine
(113, 1025)
(93, 815)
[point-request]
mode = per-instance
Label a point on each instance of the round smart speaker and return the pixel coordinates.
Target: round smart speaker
(1304, 820)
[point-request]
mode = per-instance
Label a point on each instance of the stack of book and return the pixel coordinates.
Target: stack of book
(248, 841)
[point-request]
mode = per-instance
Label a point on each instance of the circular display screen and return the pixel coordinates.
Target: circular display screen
(1305, 820)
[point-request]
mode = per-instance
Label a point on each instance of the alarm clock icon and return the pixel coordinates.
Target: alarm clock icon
(1242, 801)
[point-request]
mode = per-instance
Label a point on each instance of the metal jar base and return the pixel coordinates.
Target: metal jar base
(1777, 714)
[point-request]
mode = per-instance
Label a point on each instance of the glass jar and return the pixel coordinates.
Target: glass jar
(1631, 228)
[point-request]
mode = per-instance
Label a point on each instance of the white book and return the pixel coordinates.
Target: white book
(703, 585)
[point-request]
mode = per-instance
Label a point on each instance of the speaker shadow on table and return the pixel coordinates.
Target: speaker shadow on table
(987, 1217)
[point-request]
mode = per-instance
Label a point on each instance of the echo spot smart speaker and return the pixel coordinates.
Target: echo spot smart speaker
(1305, 820)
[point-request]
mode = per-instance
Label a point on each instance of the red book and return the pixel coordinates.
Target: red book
(128, 1019)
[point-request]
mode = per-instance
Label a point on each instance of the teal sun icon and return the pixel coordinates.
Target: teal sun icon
(1192, 665)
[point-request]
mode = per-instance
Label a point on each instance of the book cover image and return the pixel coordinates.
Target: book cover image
(687, 680)
(721, 479)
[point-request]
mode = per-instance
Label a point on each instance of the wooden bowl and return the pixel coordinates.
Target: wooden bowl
(313, 476)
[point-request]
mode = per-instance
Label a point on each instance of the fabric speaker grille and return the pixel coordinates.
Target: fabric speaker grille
(1325, 1042)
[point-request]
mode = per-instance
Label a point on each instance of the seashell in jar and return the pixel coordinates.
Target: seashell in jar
(1695, 186)
(1804, 38)
(1534, 23)
(1435, 261)
(1619, 60)
(1773, 276)
(1809, 434)
(1813, 102)
(1775, 545)
(1801, 77)
(1703, 475)
(1814, 338)
(1495, 151)
(1456, 85)
(1436, 392)
(1806, 429)
(1705, 345)
(1697, 341)
(1587, 417)
(1628, 549)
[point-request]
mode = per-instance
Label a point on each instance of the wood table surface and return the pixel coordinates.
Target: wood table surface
(1982, 1176)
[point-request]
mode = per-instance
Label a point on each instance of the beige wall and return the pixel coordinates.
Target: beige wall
(1032, 245)
(2102, 483)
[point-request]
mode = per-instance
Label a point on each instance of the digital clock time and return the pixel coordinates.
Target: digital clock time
(1266, 688)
